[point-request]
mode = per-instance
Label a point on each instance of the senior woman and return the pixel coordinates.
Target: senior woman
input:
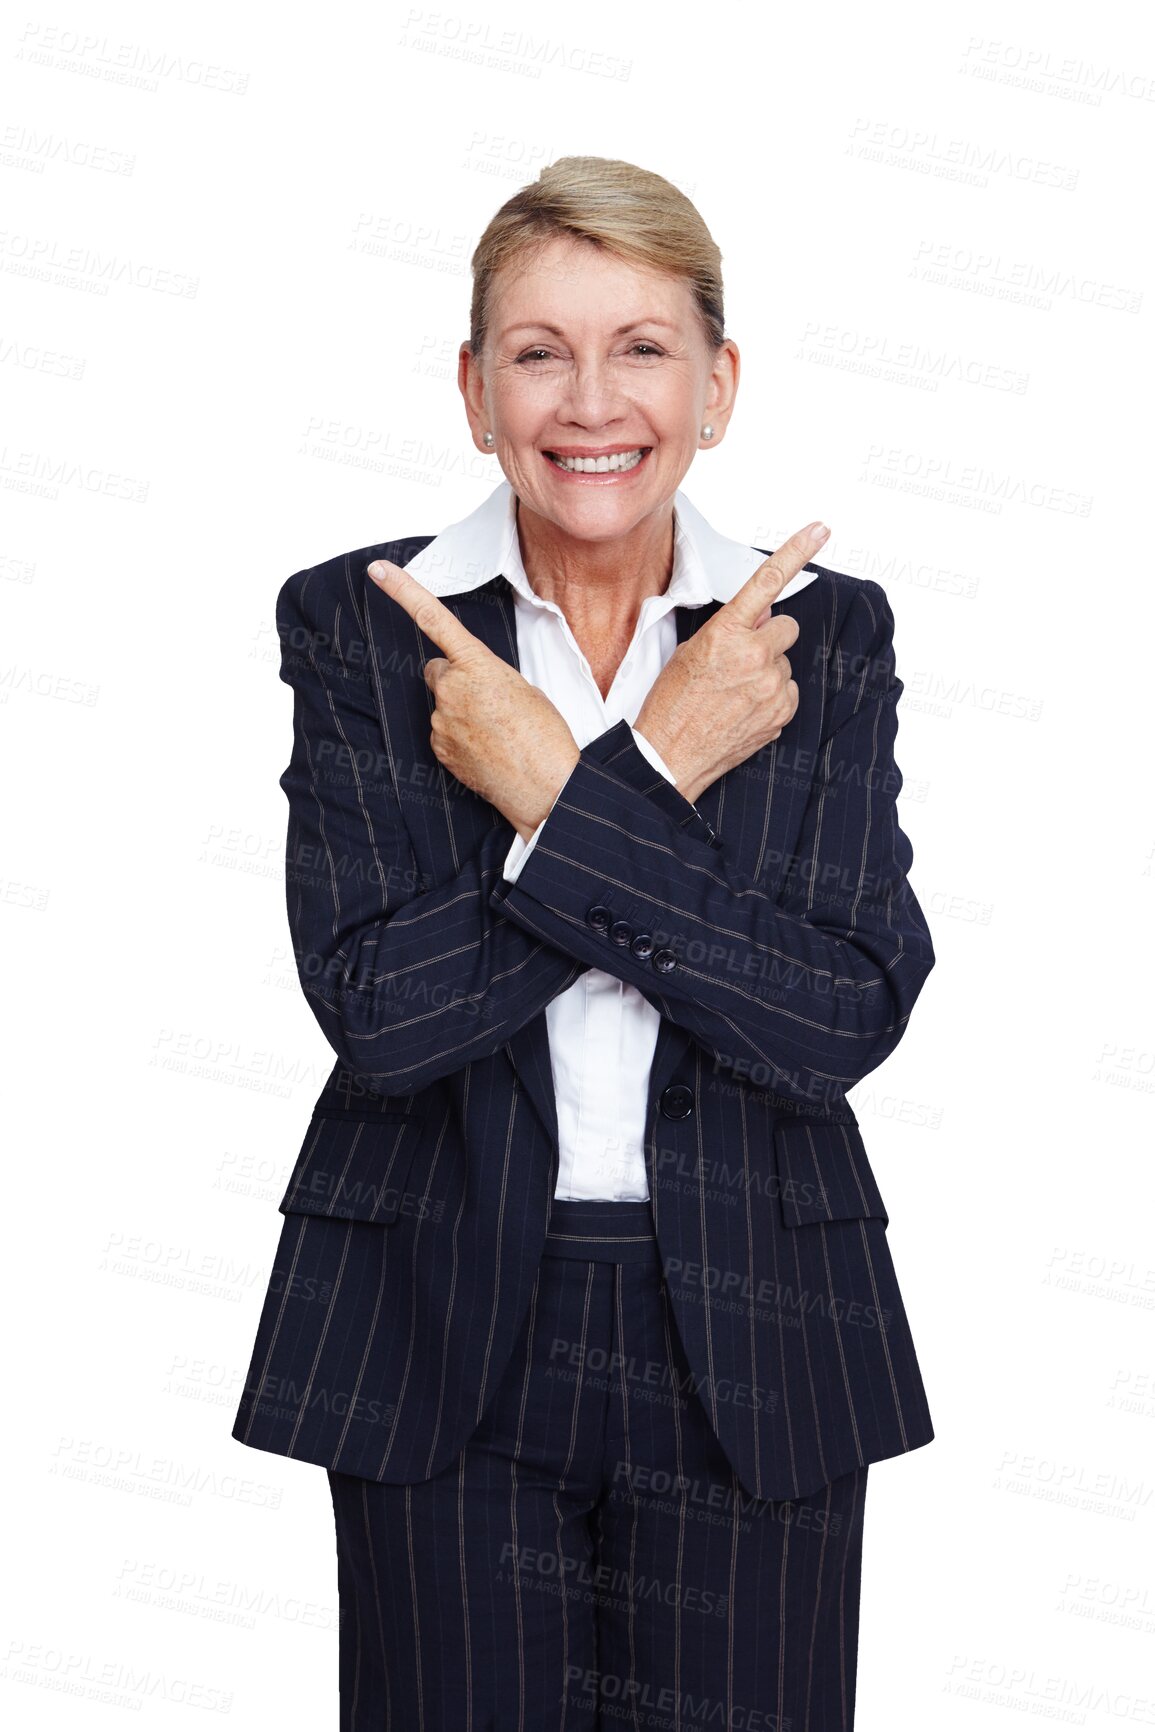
(583, 1294)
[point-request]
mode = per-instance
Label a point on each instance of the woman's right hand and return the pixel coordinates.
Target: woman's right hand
(727, 691)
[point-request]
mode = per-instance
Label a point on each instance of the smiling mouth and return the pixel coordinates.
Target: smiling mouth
(620, 463)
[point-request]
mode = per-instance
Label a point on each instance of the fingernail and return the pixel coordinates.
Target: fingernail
(818, 533)
(377, 569)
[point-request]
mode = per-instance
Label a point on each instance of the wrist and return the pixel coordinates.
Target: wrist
(687, 784)
(525, 823)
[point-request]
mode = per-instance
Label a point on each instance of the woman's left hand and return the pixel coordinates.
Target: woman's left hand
(491, 729)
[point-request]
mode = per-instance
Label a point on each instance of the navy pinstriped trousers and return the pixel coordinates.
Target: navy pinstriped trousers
(590, 1559)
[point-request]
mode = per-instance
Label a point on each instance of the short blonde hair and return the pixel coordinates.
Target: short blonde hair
(629, 211)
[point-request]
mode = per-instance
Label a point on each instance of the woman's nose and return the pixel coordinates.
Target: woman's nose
(592, 392)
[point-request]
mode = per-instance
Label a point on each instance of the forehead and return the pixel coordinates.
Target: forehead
(573, 284)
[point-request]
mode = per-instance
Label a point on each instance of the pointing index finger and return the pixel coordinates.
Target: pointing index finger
(425, 609)
(763, 587)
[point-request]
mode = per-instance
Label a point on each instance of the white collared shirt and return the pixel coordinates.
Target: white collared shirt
(602, 1032)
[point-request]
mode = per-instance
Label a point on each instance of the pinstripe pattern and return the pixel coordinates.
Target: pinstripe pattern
(416, 1215)
(590, 1558)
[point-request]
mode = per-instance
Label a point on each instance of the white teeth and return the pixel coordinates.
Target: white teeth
(598, 465)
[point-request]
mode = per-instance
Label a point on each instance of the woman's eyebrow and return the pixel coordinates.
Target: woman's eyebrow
(540, 325)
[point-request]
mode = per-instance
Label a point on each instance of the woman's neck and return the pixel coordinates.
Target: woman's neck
(598, 585)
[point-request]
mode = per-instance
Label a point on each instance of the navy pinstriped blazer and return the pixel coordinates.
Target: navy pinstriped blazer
(771, 925)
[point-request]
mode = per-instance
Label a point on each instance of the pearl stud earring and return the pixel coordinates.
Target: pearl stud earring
(707, 431)
(488, 437)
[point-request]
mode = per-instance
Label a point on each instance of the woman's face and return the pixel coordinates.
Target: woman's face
(559, 375)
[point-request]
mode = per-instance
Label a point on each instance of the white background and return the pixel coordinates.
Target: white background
(234, 262)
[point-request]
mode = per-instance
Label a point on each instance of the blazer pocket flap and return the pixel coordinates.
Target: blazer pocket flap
(824, 1173)
(352, 1167)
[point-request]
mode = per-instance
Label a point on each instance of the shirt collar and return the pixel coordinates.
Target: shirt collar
(708, 566)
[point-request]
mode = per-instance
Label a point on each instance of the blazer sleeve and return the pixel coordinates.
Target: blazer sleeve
(408, 983)
(806, 978)
(520, 848)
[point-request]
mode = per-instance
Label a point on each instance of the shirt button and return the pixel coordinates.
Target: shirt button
(677, 1101)
(665, 961)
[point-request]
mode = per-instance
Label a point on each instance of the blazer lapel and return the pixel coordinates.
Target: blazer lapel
(488, 612)
(673, 1042)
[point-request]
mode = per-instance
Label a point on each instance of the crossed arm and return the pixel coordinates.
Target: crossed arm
(810, 973)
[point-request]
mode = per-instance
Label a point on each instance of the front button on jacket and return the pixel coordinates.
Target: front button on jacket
(677, 1101)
